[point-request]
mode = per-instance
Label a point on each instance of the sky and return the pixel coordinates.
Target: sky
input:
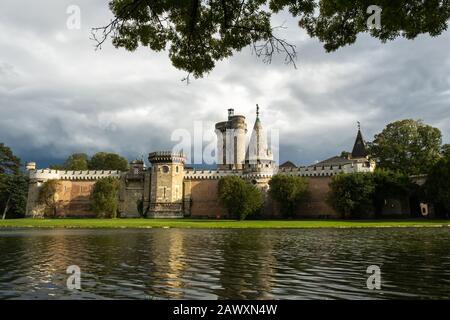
(58, 95)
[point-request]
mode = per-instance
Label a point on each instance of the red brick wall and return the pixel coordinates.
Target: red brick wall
(317, 206)
(74, 197)
(204, 199)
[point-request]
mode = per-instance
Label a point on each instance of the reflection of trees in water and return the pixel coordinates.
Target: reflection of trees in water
(410, 260)
(226, 264)
(247, 265)
(414, 261)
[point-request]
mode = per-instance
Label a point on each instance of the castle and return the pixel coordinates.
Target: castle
(170, 189)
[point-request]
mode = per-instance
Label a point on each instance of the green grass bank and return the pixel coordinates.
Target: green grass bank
(218, 224)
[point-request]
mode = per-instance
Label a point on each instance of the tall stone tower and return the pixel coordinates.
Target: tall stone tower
(166, 186)
(231, 141)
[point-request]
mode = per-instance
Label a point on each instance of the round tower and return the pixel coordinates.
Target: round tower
(231, 136)
(166, 184)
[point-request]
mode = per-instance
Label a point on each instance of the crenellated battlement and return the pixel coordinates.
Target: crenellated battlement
(166, 156)
(209, 174)
(48, 174)
(305, 171)
(326, 170)
(217, 174)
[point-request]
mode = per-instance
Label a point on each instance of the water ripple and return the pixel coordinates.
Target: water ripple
(225, 264)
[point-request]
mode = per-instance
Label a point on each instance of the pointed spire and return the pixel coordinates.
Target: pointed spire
(359, 148)
(257, 111)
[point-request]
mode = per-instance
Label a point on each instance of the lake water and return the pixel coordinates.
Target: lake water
(225, 264)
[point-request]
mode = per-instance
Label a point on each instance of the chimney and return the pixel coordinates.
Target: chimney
(230, 113)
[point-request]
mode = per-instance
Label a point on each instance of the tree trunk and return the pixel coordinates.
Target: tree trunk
(6, 208)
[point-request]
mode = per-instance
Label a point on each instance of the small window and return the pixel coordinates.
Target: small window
(165, 169)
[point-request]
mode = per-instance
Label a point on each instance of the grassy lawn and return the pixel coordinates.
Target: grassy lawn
(204, 223)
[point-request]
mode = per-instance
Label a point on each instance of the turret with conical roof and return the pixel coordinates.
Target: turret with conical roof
(359, 148)
(259, 157)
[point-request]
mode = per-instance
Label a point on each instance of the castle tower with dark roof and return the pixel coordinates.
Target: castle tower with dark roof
(359, 148)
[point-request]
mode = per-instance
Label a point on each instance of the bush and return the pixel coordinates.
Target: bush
(352, 194)
(390, 184)
(358, 195)
(289, 192)
(105, 198)
(239, 197)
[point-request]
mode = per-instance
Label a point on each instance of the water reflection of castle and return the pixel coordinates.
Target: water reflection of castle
(169, 189)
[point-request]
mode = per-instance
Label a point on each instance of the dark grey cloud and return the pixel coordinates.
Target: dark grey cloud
(58, 95)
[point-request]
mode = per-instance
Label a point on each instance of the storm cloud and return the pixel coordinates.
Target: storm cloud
(58, 95)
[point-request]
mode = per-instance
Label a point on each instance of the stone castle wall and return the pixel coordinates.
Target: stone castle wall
(317, 206)
(200, 193)
(73, 199)
(204, 199)
(73, 192)
(197, 193)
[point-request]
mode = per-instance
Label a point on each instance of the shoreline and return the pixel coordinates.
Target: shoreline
(141, 223)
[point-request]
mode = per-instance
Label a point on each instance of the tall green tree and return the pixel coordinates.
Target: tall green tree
(77, 162)
(198, 33)
(409, 146)
(108, 161)
(437, 186)
(239, 196)
(105, 198)
(13, 195)
(13, 185)
(48, 196)
(9, 163)
(289, 192)
(352, 195)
